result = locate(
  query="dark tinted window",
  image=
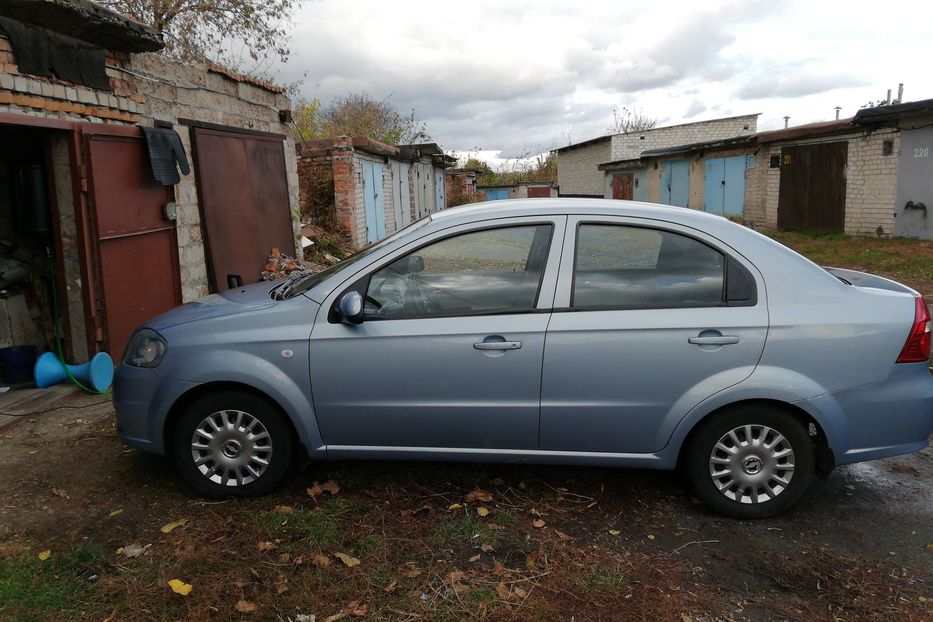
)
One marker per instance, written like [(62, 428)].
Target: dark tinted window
[(490, 271), (619, 266)]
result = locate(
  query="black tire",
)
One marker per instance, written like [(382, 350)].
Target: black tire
[(773, 497), (259, 416)]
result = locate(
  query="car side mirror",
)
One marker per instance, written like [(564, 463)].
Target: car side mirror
[(412, 264), (351, 307)]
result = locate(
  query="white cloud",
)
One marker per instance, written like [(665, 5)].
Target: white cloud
[(514, 77)]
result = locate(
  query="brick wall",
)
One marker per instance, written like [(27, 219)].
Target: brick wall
[(871, 183), (577, 171), (145, 87), (630, 146)]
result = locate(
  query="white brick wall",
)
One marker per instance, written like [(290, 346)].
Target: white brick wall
[(577, 171), (630, 146), (871, 183)]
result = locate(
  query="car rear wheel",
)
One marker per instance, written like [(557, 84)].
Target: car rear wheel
[(752, 462), (232, 443)]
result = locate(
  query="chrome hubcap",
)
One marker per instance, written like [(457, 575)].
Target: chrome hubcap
[(231, 448), (752, 464)]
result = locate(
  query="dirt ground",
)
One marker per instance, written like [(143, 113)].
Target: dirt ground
[(557, 543), (92, 530)]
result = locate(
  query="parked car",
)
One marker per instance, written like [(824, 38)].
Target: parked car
[(584, 332)]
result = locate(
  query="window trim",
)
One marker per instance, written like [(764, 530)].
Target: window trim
[(727, 257), (361, 284)]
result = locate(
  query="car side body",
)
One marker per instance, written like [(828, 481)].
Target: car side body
[(602, 385)]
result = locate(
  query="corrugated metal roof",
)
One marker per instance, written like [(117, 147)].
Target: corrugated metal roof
[(893, 112), (823, 128)]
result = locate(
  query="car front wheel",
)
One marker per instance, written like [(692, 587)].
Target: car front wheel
[(752, 462), (232, 443)]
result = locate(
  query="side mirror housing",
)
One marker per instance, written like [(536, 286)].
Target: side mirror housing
[(351, 307)]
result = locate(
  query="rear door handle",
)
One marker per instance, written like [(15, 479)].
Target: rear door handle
[(497, 345), (720, 340)]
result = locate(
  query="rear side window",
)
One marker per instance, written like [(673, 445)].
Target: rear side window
[(619, 266)]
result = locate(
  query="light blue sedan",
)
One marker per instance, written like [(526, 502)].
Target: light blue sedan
[(555, 331)]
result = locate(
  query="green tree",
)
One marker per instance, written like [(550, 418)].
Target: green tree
[(210, 29), (358, 114)]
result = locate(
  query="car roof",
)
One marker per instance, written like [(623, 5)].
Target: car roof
[(554, 206)]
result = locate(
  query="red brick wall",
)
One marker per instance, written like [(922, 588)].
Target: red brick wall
[(327, 193)]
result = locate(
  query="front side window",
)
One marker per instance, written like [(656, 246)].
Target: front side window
[(620, 266), (481, 272)]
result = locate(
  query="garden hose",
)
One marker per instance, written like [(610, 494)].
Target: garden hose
[(57, 329)]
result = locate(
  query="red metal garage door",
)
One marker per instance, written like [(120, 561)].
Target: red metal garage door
[(137, 247), (243, 194), (539, 192)]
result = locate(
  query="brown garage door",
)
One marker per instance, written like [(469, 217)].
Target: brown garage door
[(137, 246), (539, 192), (813, 187), (243, 195)]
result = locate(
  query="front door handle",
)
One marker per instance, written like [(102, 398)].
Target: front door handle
[(497, 345), (714, 340)]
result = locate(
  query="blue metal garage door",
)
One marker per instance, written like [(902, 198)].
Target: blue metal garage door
[(374, 201), (724, 193), (675, 182)]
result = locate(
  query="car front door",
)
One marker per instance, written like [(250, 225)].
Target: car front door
[(449, 351), (654, 319)]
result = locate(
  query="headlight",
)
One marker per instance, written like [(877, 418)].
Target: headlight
[(145, 349)]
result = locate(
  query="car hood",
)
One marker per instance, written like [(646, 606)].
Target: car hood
[(239, 300)]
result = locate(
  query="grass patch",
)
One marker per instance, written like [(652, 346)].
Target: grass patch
[(607, 580), (464, 529), (902, 259), (31, 589)]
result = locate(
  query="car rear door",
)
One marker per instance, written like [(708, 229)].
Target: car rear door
[(449, 353), (649, 320)]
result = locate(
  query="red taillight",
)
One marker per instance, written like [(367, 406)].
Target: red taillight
[(917, 348)]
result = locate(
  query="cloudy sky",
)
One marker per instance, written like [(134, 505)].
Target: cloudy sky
[(506, 78)]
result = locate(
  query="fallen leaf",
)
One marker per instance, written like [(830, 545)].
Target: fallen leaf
[(58, 492), (115, 513), (614, 532), (503, 591), (482, 511), (478, 494), (497, 481), (650, 537), (496, 526), (475, 558), (454, 577), (454, 506), (390, 587), (168, 527), (348, 561), (320, 561), (340, 615), (301, 559), (356, 609), (562, 535), (284, 509), (180, 587), (930, 547), (44, 555), (485, 547), (330, 486), (285, 557), (133, 550), (281, 587), (244, 606), (519, 592), (412, 570), (538, 524), (532, 560), (266, 546)]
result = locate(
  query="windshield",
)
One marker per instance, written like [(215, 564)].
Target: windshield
[(300, 282)]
